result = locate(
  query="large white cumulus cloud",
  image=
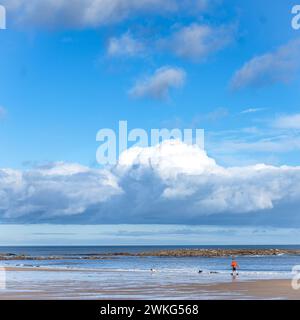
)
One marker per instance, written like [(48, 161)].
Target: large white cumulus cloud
[(168, 183), (56, 190)]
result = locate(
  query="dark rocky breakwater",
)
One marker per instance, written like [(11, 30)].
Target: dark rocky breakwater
[(159, 253), (220, 252)]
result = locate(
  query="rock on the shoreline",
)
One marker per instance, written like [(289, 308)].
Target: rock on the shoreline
[(162, 253), (218, 252)]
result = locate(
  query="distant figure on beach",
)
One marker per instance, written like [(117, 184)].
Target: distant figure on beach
[(234, 266)]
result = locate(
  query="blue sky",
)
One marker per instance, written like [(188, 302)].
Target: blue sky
[(229, 67)]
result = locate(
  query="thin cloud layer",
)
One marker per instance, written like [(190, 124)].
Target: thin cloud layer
[(280, 66), (168, 183), (288, 122), (159, 84)]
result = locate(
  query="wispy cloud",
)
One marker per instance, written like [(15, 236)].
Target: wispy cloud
[(287, 121), (30, 234), (252, 110), (158, 85), (125, 45), (193, 42), (279, 66), (197, 41), (249, 145)]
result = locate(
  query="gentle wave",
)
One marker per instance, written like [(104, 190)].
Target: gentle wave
[(164, 270)]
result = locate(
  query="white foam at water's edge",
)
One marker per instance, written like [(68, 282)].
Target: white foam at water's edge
[(175, 272)]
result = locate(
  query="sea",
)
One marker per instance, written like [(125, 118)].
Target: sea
[(109, 277)]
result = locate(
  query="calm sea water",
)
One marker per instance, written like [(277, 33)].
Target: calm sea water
[(251, 266)]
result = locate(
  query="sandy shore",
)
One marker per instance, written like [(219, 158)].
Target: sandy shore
[(70, 289), (263, 289)]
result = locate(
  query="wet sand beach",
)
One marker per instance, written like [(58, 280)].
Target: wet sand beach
[(65, 286)]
